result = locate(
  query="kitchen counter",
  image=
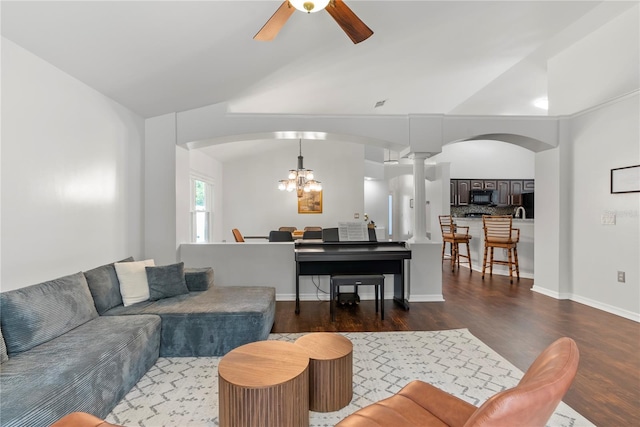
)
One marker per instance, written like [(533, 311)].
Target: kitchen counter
[(476, 246)]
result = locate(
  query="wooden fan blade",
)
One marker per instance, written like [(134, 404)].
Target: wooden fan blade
[(348, 21), (273, 26)]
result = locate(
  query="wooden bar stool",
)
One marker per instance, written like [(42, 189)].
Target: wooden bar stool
[(498, 233), (451, 233)]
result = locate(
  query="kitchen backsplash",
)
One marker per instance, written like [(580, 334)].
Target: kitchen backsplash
[(462, 211)]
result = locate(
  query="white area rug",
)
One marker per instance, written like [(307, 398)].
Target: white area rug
[(183, 391)]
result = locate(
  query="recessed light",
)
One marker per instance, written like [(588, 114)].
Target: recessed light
[(542, 103)]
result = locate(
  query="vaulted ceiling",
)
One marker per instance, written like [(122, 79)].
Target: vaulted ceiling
[(450, 57)]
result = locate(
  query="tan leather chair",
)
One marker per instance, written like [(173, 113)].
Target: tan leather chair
[(81, 419), (237, 235), (313, 229), (289, 229), (531, 403), (454, 235), (498, 233)]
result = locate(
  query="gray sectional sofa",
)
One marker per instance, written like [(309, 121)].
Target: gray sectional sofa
[(70, 345)]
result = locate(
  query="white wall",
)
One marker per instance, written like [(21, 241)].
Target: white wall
[(183, 195), (600, 251), (71, 176), (254, 205), (160, 195), (601, 65), (576, 256), (487, 160)]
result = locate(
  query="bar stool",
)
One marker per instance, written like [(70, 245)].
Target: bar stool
[(451, 234), (376, 280), (498, 233)]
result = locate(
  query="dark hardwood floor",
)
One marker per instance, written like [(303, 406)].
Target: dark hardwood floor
[(518, 324)]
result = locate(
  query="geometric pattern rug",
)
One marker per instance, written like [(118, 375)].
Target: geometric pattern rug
[(183, 391)]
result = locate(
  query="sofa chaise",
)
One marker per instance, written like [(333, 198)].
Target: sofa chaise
[(70, 345)]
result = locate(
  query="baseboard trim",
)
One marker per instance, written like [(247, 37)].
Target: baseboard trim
[(590, 302), (502, 272), (426, 298)]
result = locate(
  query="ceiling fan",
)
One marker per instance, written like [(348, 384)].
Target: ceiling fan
[(346, 19)]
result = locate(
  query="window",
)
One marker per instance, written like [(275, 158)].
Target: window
[(201, 210), (390, 215)]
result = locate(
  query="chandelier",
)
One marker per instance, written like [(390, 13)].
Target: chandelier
[(300, 179)]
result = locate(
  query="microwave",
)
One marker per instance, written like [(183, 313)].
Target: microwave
[(483, 197)]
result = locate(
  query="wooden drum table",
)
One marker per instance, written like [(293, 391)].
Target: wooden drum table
[(265, 383), (330, 370)]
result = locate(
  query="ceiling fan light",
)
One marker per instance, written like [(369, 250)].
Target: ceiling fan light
[(309, 6)]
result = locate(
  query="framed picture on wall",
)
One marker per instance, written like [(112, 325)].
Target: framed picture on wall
[(310, 203), (625, 180)]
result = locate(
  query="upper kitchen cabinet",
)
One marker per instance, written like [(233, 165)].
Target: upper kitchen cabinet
[(504, 192), (509, 190), (460, 191), (483, 184)]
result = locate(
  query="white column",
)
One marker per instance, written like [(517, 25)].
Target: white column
[(419, 198)]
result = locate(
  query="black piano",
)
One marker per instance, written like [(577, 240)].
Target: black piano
[(318, 258)]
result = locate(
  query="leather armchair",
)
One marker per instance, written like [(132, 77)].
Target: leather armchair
[(531, 403), (81, 419)]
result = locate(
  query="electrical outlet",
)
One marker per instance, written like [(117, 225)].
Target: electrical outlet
[(621, 276), (608, 219), (356, 215)]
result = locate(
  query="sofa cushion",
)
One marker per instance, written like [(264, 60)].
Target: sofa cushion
[(210, 323), (3, 349), (132, 276), (166, 281), (88, 369), (198, 279), (104, 286), (38, 313)]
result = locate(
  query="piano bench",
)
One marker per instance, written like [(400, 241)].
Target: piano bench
[(356, 280)]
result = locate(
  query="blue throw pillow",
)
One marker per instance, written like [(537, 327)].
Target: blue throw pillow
[(166, 281)]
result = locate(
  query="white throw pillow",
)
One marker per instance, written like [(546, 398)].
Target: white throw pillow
[(133, 280)]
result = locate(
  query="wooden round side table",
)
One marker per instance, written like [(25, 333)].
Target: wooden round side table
[(330, 370), (265, 383)]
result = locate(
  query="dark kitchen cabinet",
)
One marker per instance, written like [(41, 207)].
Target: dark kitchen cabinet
[(489, 185), (464, 186), (509, 190), (459, 191), (504, 191), (477, 184), (516, 192)]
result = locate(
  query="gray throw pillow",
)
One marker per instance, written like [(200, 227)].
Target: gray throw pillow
[(166, 281), (3, 349), (104, 286)]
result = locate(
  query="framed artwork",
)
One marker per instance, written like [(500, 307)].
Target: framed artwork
[(310, 203), (625, 180)]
